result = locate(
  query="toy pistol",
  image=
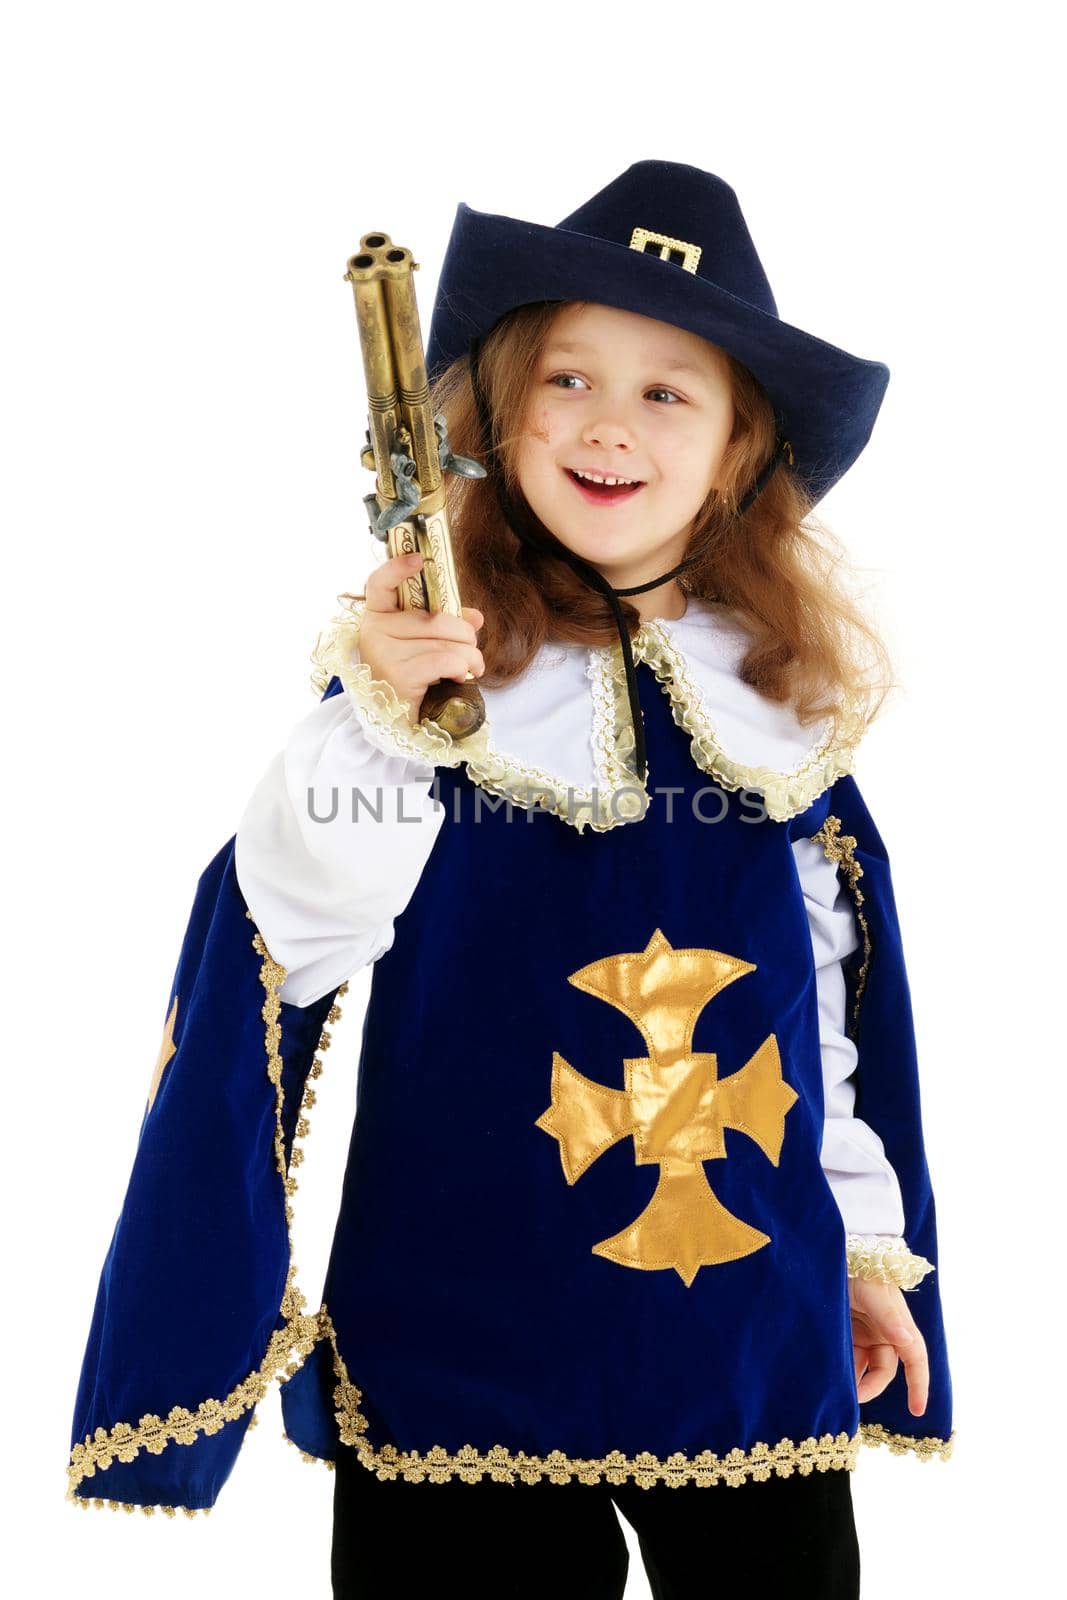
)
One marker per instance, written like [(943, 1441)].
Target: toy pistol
[(407, 448)]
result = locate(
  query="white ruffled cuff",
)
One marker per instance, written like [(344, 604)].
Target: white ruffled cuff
[(380, 710), (885, 1258)]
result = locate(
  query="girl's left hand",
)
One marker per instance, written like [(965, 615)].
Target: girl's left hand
[(883, 1330)]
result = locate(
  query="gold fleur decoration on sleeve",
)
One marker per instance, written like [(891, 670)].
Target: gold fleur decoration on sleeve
[(167, 1049)]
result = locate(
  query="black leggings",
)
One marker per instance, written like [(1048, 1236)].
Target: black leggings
[(393, 1539)]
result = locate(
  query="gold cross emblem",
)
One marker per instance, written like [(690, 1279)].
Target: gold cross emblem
[(674, 1106)]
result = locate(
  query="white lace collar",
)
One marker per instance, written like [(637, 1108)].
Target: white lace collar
[(560, 736)]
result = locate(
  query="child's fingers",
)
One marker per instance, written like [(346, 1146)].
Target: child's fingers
[(431, 626), (380, 592), (451, 663), (384, 580), (881, 1363), (883, 1332), (899, 1327), (912, 1350)]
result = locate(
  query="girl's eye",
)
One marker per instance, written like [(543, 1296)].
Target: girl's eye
[(563, 375)]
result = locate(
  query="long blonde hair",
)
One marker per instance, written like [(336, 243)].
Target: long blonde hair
[(775, 569)]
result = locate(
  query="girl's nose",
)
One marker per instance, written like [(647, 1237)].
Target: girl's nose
[(608, 434)]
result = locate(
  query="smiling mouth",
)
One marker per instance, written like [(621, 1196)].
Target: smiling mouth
[(602, 493)]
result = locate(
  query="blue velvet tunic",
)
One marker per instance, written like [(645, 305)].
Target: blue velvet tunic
[(584, 1229), (584, 1209)]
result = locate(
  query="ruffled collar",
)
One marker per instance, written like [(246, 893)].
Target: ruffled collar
[(560, 738)]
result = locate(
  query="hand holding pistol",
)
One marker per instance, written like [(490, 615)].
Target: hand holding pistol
[(411, 648)]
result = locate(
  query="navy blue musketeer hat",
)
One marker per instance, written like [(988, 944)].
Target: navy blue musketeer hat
[(666, 240)]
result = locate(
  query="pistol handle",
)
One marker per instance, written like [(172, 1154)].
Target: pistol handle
[(457, 708)]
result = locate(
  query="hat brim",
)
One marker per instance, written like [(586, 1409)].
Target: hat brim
[(826, 400)]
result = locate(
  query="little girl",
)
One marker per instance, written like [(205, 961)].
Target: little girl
[(637, 1184)]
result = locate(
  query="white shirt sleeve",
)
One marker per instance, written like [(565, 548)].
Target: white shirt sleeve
[(853, 1157), (331, 847)]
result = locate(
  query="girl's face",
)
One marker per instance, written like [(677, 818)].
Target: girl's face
[(624, 396)]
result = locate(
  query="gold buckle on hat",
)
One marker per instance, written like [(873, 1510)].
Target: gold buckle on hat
[(666, 248)]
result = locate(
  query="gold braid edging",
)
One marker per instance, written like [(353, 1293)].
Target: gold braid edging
[(469, 1464), (305, 1455), (883, 1260), (840, 848), (149, 1511), (297, 1338), (901, 1444)]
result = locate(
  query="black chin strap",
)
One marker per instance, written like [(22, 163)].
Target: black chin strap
[(529, 532)]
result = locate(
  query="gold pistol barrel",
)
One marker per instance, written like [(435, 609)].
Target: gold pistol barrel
[(372, 317), (405, 449), (411, 378)]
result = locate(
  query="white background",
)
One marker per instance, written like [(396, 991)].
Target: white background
[(182, 411)]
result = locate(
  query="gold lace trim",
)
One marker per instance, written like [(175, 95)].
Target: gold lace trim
[(786, 794), (384, 709), (469, 1464), (901, 1443), (840, 848), (305, 1455), (149, 1511), (297, 1338), (617, 796), (614, 746), (885, 1260)]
